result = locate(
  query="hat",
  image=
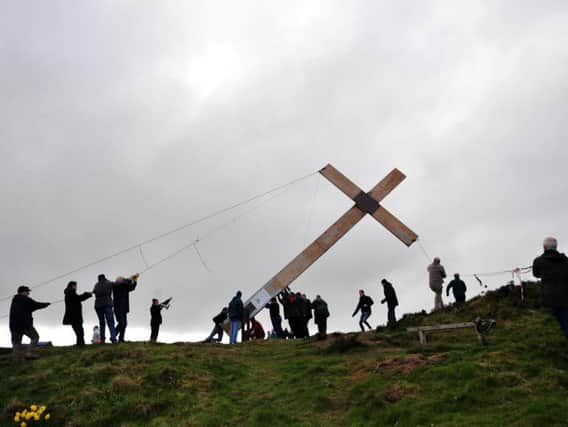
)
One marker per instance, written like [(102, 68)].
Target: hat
[(23, 289)]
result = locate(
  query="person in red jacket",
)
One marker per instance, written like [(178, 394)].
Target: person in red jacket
[(256, 330)]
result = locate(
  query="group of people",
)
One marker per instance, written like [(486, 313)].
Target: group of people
[(111, 302)]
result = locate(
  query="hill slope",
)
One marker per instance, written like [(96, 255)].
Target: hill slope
[(376, 378)]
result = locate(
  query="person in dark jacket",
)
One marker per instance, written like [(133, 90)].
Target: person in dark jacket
[(391, 300), (103, 306), (156, 317), (552, 268), (120, 294), (74, 311), (458, 288), (236, 314), (321, 313), (218, 328), (256, 330), (296, 315), (275, 317), (22, 322), (307, 315), (365, 303)]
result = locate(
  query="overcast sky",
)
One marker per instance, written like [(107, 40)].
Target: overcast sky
[(120, 120)]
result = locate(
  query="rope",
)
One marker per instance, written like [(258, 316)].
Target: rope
[(421, 246), (167, 233)]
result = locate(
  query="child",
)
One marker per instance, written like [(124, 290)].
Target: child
[(96, 336)]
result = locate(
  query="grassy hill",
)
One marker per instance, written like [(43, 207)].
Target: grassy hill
[(376, 378)]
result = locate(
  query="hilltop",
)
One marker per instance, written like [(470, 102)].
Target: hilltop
[(374, 378)]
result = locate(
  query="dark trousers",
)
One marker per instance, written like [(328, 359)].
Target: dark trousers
[(391, 317), (561, 315), (105, 314), (277, 325), (155, 330), (460, 299), (297, 327), (322, 328), (217, 330), (17, 336), (79, 333), (363, 321), (120, 324)]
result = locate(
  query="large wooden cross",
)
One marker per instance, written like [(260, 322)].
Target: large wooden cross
[(365, 203)]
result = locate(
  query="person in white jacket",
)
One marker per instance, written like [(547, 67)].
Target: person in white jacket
[(437, 274)]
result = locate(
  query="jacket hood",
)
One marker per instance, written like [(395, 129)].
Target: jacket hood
[(555, 256)]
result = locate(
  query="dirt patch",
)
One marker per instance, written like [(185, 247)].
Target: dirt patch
[(393, 394), (407, 364)]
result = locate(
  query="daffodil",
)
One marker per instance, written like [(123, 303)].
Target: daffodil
[(17, 418), (23, 425), (33, 408), (47, 416)]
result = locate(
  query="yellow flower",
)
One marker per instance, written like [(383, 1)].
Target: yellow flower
[(23, 425), (47, 416), (17, 418), (42, 408), (36, 418), (33, 407)]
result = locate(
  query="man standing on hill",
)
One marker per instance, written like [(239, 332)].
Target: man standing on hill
[(22, 322), (321, 313), (156, 317), (365, 303), (437, 274), (122, 302), (458, 287), (103, 306), (275, 317), (552, 268), (236, 314), (391, 300)]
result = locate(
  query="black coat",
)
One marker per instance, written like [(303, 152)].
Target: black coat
[(552, 268), (220, 318), (390, 295), (458, 288), (73, 308), (120, 295), (156, 314), (236, 309), (21, 312), (365, 303), (274, 308), (321, 312)]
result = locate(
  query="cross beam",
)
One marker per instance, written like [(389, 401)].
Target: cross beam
[(365, 203)]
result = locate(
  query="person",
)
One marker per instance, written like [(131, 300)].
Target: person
[(295, 315), (365, 303), (458, 288), (96, 339), (120, 294), (437, 274), (22, 322), (236, 314), (156, 317), (256, 331), (74, 311), (218, 328), (552, 269), (307, 315), (391, 300), (103, 307), (275, 318), (321, 313)]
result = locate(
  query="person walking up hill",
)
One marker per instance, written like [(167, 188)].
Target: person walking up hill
[(365, 303)]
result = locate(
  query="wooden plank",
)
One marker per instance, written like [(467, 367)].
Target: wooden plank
[(386, 185), (307, 257), (441, 327), (395, 226), (347, 186)]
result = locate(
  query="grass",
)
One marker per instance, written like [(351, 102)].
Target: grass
[(375, 378)]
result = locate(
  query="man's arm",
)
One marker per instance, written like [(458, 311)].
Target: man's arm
[(357, 309), (84, 296), (450, 285), (536, 268), (38, 305)]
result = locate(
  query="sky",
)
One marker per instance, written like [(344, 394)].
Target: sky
[(120, 120)]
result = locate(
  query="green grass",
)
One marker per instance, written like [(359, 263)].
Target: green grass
[(520, 378)]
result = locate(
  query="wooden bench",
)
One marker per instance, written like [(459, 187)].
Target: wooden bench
[(480, 331)]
